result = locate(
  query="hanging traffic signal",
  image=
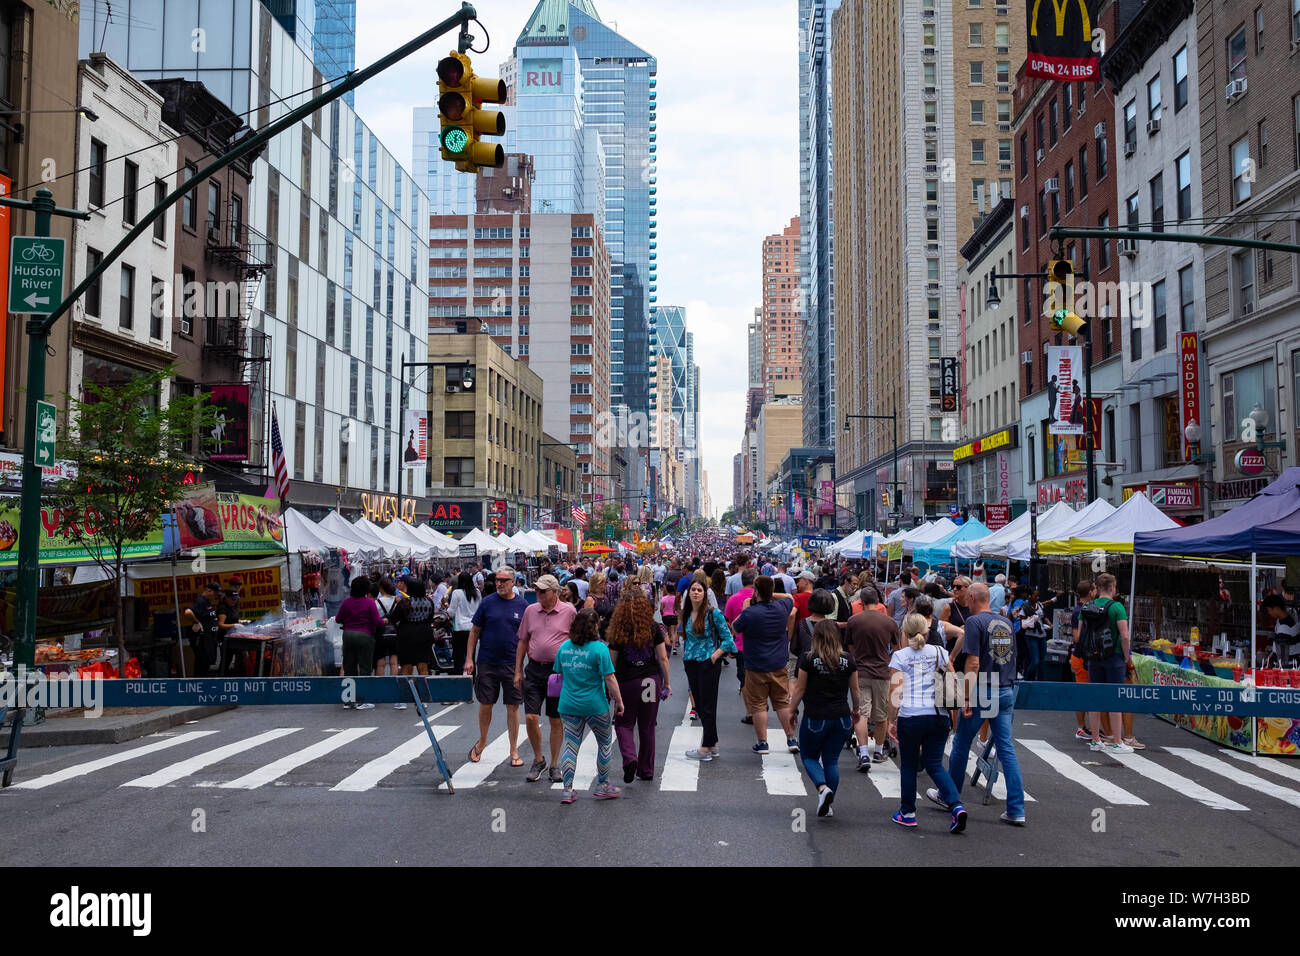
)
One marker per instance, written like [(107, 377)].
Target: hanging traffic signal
[(460, 97), (1060, 286), (1064, 320)]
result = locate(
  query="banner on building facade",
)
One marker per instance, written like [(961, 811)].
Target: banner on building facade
[(229, 436), (198, 517), (1189, 386), (948, 384), (1061, 43), (259, 596), (415, 431), (1065, 390)]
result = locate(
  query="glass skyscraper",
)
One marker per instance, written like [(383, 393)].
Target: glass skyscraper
[(334, 41)]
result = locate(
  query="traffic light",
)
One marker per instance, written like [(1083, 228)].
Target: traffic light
[(884, 498), (1064, 320), (1060, 279), (461, 95)]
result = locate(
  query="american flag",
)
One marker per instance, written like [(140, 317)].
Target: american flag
[(277, 457), (579, 515)]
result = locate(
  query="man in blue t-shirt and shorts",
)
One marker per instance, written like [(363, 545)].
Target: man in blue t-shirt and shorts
[(494, 632), (990, 646)]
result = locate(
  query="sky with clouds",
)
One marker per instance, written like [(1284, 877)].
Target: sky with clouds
[(728, 157)]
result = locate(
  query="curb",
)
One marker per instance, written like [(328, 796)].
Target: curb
[(66, 732)]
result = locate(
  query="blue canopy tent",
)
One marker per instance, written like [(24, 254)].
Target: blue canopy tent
[(940, 552)]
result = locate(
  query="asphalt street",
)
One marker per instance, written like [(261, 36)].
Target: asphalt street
[(290, 786)]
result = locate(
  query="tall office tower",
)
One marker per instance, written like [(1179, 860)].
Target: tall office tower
[(817, 219), (612, 92), (341, 224), (782, 315), (335, 39), (755, 332)]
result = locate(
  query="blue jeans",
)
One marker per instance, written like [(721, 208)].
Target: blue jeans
[(968, 727), (923, 737), (1036, 645), (820, 743)]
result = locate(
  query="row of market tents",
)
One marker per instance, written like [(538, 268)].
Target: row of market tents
[(400, 539), (1062, 530)]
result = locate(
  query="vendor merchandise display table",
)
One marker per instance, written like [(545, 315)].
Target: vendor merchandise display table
[(1278, 736), (298, 650)]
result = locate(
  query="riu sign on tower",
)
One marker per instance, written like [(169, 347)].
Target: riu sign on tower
[(1062, 45)]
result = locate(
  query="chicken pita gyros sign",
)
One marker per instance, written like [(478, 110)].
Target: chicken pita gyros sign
[(226, 524)]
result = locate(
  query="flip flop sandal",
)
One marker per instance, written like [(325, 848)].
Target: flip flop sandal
[(475, 755), (516, 761)]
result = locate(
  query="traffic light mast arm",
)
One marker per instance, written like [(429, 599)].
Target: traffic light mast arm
[(1200, 239)]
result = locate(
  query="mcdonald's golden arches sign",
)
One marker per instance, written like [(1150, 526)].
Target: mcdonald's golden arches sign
[(1061, 39)]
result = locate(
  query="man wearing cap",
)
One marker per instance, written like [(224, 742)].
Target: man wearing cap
[(496, 625), (545, 626), (204, 628)]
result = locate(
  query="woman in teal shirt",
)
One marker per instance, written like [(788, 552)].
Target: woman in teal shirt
[(584, 664), (706, 637)]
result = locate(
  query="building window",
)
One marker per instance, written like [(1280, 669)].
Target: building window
[(1157, 185), (1186, 300), (977, 185), (159, 224), (1024, 155), (927, 34), (1155, 108), (1259, 30), (1067, 104), (1101, 156), (1135, 436), (977, 111), (1159, 321), (1056, 209), (977, 151), (458, 425), (1241, 171), (1004, 111), (1042, 213), (931, 113), (928, 74), (91, 302), (932, 309), (1131, 207), (1244, 268), (932, 270), (1237, 55), (189, 202), (976, 34), (1069, 186), (932, 230), (932, 190), (1004, 71), (1004, 154), (130, 184), (458, 472), (214, 208), (1052, 122), (1262, 136), (1103, 257), (1180, 79), (157, 306), (126, 304), (1130, 124), (1040, 131), (1242, 390), (977, 72), (237, 224), (98, 162)]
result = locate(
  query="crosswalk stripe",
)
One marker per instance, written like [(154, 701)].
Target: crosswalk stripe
[(887, 779), (681, 773), (1281, 767), (1177, 782), (470, 775), (183, 768), (1225, 769), (782, 770), (376, 770), (90, 766), (277, 769), (977, 750), (584, 773), (1082, 775)]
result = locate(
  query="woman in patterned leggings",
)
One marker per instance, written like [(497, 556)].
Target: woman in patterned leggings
[(584, 666)]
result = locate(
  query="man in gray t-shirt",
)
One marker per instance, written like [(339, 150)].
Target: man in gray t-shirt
[(897, 604)]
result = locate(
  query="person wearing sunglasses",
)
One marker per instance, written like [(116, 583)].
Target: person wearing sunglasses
[(494, 634)]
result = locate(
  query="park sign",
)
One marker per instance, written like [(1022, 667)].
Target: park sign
[(35, 274)]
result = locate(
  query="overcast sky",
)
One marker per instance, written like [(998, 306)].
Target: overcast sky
[(728, 157)]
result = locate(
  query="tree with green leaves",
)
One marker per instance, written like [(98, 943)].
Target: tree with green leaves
[(610, 514), (132, 446)]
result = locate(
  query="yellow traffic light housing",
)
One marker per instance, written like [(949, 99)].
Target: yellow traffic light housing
[(1064, 320), (460, 98), (1060, 286)]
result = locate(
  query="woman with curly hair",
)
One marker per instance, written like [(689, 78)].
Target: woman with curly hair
[(636, 644)]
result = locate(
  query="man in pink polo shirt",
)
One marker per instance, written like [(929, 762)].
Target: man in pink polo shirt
[(736, 604), (544, 627)]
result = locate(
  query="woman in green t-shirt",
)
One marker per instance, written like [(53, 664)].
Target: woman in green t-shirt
[(584, 665)]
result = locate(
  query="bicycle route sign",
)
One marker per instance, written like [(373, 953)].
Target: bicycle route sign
[(35, 274)]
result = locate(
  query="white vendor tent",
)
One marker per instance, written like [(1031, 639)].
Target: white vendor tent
[(336, 529)]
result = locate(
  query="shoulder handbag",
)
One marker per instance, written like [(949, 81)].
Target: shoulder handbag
[(947, 688)]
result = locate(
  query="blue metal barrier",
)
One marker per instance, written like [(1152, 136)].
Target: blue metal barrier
[(1159, 699), (280, 691)]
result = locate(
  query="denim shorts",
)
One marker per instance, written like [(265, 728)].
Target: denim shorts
[(1112, 670)]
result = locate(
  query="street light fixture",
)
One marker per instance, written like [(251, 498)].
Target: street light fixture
[(992, 300)]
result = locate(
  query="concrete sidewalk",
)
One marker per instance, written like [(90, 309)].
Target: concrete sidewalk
[(59, 730)]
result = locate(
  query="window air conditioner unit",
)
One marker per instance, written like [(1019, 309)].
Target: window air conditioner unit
[(1052, 185), (1004, 167), (1130, 147), (185, 326), (928, 52), (1003, 50), (1000, 11), (1004, 127), (1027, 357), (1099, 130), (1128, 247), (932, 208), (1004, 87), (1040, 153), (1024, 212), (1247, 308), (454, 388), (1235, 89), (1153, 126)]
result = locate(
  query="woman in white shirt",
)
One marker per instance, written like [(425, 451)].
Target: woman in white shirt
[(463, 603), (918, 725)]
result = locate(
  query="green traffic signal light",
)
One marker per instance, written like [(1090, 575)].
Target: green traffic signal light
[(455, 140)]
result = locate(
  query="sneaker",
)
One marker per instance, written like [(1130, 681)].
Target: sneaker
[(864, 763), (1096, 745), (606, 791), (1014, 821), (399, 706), (1082, 735), (1118, 749), (905, 821), (348, 706), (824, 800), (1134, 743), (694, 715), (878, 756), (933, 796), (557, 775), (792, 745), (760, 747), (958, 819), (629, 772), (365, 706), (567, 797), (830, 812), (747, 719), (700, 755), (535, 771)]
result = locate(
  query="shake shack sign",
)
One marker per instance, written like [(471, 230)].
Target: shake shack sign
[(449, 516)]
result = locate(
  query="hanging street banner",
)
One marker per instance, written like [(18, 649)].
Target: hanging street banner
[(948, 383), (230, 434), (1061, 40), (259, 596), (58, 548), (1189, 386), (69, 609), (416, 432), (1065, 390)]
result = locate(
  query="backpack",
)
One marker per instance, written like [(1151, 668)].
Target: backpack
[(387, 630), (1096, 642)]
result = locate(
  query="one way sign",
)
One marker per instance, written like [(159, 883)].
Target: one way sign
[(35, 274)]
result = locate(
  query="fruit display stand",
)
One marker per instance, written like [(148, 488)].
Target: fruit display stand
[(1278, 736)]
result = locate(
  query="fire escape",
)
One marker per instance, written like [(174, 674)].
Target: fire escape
[(244, 254)]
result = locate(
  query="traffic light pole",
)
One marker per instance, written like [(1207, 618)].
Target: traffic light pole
[(540, 446), (38, 328), (892, 417)]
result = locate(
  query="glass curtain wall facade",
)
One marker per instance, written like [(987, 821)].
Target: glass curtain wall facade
[(334, 41)]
